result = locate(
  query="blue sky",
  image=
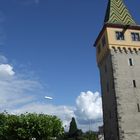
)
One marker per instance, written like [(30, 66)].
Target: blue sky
[(47, 44)]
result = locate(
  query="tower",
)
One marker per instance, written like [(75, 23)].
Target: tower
[(118, 58)]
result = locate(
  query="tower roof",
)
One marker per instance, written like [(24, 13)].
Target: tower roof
[(117, 13)]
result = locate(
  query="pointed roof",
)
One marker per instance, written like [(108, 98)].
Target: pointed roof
[(117, 13)]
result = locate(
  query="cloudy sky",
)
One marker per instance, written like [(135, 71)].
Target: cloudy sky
[(46, 50)]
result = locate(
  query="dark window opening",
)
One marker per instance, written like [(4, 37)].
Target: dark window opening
[(134, 83), (138, 107), (119, 35), (130, 62), (135, 36)]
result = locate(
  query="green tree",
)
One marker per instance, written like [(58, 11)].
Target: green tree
[(73, 128), (90, 135), (74, 133), (26, 126)]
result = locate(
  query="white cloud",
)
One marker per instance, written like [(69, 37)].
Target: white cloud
[(38, 107), (89, 105), (15, 90), (89, 109), (6, 70), (65, 113), (93, 126)]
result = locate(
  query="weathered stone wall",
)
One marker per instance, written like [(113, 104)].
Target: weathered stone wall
[(127, 95), (108, 99), (120, 97)]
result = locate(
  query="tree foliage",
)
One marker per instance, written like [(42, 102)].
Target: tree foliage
[(27, 126), (73, 127), (76, 134), (90, 135)]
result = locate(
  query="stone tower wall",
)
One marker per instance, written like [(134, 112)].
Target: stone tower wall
[(126, 91), (108, 99), (119, 94)]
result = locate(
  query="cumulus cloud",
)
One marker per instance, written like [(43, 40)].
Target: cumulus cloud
[(89, 105), (6, 70), (89, 109)]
